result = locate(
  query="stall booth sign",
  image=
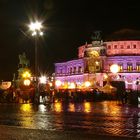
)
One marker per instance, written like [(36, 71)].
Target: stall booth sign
[(5, 85)]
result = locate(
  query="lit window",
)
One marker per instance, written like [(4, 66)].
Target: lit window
[(121, 67), (138, 66), (129, 67)]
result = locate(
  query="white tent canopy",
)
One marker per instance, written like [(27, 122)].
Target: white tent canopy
[(108, 88)]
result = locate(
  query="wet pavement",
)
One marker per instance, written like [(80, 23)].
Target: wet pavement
[(108, 118)]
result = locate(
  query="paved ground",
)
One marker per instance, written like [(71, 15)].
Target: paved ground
[(98, 120), (15, 133)]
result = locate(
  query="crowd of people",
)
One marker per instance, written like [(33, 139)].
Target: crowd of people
[(125, 97)]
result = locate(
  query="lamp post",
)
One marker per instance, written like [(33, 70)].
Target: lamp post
[(114, 68), (36, 31)]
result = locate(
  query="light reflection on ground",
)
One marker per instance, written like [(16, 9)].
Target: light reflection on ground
[(108, 117)]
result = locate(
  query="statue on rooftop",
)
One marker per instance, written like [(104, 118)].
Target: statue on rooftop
[(23, 61), (96, 36)]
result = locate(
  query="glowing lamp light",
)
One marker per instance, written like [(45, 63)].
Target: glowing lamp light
[(97, 63), (114, 68), (26, 74), (105, 76), (35, 26), (58, 83), (57, 107), (43, 79), (41, 33), (72, 86), (27, 82), (87, 84), (26, 108), (34, 33), (50, 84), (87, 107)]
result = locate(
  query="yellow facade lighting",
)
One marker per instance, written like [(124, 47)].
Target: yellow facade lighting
[(72, 86), (87, 84)]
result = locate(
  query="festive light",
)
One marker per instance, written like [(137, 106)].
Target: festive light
[(50, 84), (105, 76), (27, 82), (43, 79), (35, 26), (26, 74), (72, 86), (87, 84), (114, 68), (58, 83)]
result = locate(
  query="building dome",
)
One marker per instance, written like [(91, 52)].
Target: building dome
[(124, 34)]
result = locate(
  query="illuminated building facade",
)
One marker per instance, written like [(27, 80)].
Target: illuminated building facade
[(94, 61)]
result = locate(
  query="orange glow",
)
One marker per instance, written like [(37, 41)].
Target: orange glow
[(50, 84), (25, 107), (65, 85), (111, 108), (71, 107), (27, 82), (72, 86), (97, 63), (105, 76), (26, 74), (87, 107), (58, 107), (87, 84), (5, 85)]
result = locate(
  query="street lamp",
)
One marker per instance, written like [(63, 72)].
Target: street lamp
[(36, 31), (114, 68), (43, 79)]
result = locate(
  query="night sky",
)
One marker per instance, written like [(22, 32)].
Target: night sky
[(68, 24)]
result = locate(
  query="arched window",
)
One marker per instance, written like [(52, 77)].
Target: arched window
[(138, 66), (129, 67), (71, 70), (79, 69), (74, 70), (121, 67)]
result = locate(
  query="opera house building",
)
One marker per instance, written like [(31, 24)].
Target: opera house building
[(94, 61)]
